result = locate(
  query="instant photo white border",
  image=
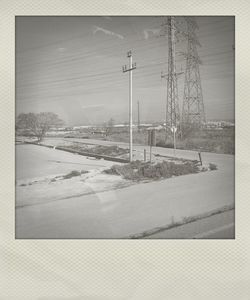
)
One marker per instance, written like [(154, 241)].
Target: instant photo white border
[(124, 269)]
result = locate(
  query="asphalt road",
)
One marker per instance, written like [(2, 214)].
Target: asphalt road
[(223, 160), (219, 226)]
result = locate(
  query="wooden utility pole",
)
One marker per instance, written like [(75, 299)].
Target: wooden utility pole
[(130, 69)]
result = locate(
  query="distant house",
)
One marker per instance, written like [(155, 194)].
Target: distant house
[(101, 132), (225, 124), (159, 127), (213, 125)]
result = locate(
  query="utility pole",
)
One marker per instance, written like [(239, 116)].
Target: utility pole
[(132, 66), (138, 124), (193, 112), (172, 107)]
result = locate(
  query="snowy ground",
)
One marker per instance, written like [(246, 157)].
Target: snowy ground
[(117, 213), (40, 170), (44, 190), (36, 161)]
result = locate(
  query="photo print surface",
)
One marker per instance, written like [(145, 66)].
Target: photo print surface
[(125, 127)]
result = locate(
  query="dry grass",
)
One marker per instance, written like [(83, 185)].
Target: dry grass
[(138, 137), (99, 150), (218, 141)]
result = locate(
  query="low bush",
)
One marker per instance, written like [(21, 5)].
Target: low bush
[(84, 172), (99, 150), (108, 150), (139, 170), (212, 167), (72, 174)]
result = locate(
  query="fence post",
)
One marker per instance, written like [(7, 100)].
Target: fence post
[(200, 157)]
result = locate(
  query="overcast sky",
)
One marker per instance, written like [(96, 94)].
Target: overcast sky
[(73, 66)]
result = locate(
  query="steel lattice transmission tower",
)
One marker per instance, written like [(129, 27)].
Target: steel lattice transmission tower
[(172, 107), (193, 113)]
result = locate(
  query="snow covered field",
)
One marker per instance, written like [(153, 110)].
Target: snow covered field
[(95, 207), (35, 161), (40, 170)]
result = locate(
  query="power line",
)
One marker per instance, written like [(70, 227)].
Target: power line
[(96, 75)]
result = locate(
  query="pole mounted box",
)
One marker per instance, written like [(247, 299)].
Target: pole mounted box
[(151, 137)]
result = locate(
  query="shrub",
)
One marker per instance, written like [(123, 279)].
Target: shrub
[(99, 150), (212, 166), (72, 174), (84, 172), (139, 170)]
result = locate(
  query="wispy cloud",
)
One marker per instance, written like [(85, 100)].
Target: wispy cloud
[(61, 49), (96, 106), (153, 31), (108, 32)]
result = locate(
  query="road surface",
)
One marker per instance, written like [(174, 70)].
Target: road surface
[(225, 161), (219, 226)]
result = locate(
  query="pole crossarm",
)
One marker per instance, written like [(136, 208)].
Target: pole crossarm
[(124, 68), (175, 74)]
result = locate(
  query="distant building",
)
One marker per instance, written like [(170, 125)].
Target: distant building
[(159, 127), (218, 125)]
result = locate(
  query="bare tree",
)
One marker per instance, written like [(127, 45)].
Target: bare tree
[(38, 124)]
